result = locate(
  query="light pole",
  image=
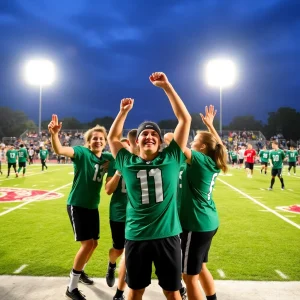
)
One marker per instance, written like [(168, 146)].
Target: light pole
[(220, 73), (41, 73)]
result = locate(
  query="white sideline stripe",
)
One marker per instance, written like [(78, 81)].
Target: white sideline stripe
[(290, 190), (20, 269), (290, 216), (281, 274), (42, 172), (262, 205), (221, 273), (34, 199)]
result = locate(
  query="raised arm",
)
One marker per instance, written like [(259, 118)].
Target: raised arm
[(54, 127), (182, 130), (116, 128), (112, 183)]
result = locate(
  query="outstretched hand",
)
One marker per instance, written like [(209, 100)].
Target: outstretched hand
[(126, 104), (54, 127), (210, 113), (159, 79)]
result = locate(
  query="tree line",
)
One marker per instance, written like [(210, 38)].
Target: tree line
[(285, 120)]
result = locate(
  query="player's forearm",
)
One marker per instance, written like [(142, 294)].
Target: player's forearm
[(112, 184), (57, 146), (116, 129)]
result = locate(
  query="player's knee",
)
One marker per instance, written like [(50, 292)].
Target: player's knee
[(171, 295), (189, 279), (87, 245)]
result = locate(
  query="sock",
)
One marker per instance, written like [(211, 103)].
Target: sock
[(282, 183), (212, 297), (289, 169), (74, 278), (272, 182), (119, 293), (265, 172), (295, 170), (19, 170), (24, 171), (113, 266)]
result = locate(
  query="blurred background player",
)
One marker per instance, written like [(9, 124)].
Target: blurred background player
[(264, 158), (241, 152), (22, 158), (234, 157), (31, 155), (292, 156), (276, 158), (249, 155), (44, 156), (11, 156), (131, 137)]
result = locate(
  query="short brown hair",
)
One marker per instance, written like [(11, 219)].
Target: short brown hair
[(132, 134), (88, 134)]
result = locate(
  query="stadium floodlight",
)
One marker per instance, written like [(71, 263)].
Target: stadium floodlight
[(220, 73), (40, 72)]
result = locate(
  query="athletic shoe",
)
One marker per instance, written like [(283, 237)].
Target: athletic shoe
[(282, 188), (183, 293), (270, 189), (84, 278), (119, 298), (75, 294), (289, 173), (294, 173), (110, 276)]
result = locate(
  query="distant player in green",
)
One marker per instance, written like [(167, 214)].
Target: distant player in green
[(22, 158), (292, 156), (44, 156), (115, 185), (234, 157), (264, 159), (152, 223), (198, 213), (11, 157), (276, 157), (90, 164)]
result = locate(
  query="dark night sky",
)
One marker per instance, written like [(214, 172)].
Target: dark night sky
[(105, 51)]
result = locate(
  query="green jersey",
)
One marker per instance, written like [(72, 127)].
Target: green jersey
[(118, 201), (152, 191), (264, 156), (88, 177), (198, 210), (292, 155), (22, 153), (277, 157), (43, 153), (12, 156), (233, 155)]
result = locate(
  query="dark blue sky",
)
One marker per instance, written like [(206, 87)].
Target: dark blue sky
[(105, 51)]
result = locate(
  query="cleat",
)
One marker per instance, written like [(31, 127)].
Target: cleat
[(183, 293), (289, 173), (75, 294), (84, 278), (270, 189), (110, 276), (119, 298), (282, 188)]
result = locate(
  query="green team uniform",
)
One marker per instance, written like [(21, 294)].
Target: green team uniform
[(292, 155), (23, 154), (277, 157), (151, 190), (88, 177), (233, 155), (264, 156), (198, 212), (43, 154), (12, 156), (118, 201)]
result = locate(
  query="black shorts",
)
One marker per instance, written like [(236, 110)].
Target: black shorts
[(117, 234), (22, 164), (249, 165), (195, 247), (264, 163), (9, 165), (241, 160), (234, 161), (30, 157), (277, 172), (85, 222), (164, 253), (292, 164)]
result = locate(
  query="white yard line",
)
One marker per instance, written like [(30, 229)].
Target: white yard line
[(221, 273), (20, 269), (42, 172), (262, 205), (282, 275), (34, 199)]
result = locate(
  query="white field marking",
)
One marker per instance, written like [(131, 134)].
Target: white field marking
[(262, 189), (20, 269), (32, 174), (221, 273), (290, 190), (262, 205), (35, 199), (264, 210), (290, 216), (282, 275), (23, 208)]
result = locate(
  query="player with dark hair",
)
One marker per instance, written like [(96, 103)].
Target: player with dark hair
[(292, 156), (249, 155), (11, 156), (22, 158), (276, 158), (198, 213), (152, 223), (131, 136), (264, 159), (44, 154), (90, 164)]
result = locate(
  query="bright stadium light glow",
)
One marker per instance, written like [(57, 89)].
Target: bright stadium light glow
[(40, 72), (221, 72)]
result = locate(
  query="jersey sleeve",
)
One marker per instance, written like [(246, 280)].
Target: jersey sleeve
[(122, 158), (175, 151), (111, 169), (283, 155), (78, 153)]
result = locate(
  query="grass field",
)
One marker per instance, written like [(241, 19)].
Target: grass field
[(256, 240)]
